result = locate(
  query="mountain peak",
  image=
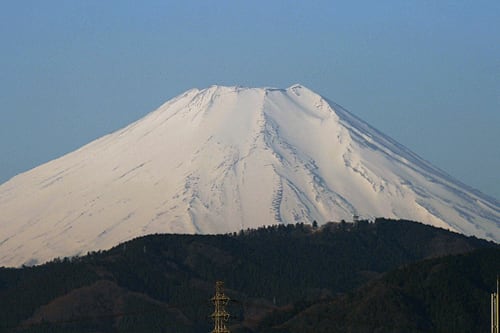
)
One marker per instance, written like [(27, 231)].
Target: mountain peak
[(222, 159), (237, 88)]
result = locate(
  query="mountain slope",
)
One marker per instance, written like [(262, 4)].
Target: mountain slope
[(223, 159), (449, 294), (164, 282)]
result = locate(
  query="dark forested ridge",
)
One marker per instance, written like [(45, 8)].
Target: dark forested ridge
[(448, 294), (283, 278)]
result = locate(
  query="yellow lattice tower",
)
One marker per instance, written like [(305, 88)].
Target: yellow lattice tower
[(220, 315)]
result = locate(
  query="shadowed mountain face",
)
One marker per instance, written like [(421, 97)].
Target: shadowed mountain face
[(282, 279), (448, 294), (224, 159)]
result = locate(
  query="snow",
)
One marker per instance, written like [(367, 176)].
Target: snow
[(223, 159)]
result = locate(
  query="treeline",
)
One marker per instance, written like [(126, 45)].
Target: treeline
[(162, 283)]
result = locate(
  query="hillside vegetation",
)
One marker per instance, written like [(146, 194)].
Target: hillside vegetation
[(282, 278)]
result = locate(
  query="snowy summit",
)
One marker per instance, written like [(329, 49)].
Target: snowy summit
[(223, 159)]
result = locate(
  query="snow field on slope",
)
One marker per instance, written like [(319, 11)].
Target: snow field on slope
[(223, 159)]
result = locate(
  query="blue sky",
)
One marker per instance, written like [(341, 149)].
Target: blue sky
[(427, 73)]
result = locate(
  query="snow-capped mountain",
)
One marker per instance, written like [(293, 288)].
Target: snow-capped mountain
[(223, 159)]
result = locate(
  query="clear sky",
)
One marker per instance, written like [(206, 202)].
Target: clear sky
[(426, 73)]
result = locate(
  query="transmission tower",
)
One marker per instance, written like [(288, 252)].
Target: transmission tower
[(220, 315), (495, 325)]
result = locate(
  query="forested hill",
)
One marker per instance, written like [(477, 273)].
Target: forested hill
[(163, 283), (448, 294)]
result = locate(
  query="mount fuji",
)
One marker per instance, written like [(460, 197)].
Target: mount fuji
[(224, 159)]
